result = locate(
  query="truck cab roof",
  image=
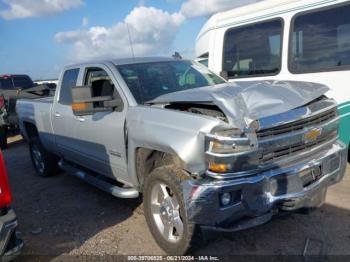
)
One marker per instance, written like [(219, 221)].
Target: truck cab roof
[(125, 61), (17, 81)]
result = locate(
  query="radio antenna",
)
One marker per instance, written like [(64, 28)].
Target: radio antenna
[(130, 41)]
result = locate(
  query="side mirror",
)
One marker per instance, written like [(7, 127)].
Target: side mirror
[(83, 103)]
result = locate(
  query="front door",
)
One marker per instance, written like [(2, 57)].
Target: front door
[(102, 133)]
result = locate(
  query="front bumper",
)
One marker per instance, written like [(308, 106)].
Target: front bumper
[(255, 199), (10, 245)]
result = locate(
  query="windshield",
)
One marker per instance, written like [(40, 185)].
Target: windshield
[(147, 81)]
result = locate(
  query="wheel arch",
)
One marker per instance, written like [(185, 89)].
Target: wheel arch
[(30, 130), (147, 159)]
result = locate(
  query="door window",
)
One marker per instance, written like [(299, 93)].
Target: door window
[(22, 82), (101, 85), (69, 80)]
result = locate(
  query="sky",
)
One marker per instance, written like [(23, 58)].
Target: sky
[(39, 37)]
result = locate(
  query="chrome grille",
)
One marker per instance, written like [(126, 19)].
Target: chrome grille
[(298, 125), (293, 149)]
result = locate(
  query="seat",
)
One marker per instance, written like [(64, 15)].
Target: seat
[(102, 88)]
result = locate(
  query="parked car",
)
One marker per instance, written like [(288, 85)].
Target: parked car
[(284, 40), (205, 154), (13, 87), (10, 244)]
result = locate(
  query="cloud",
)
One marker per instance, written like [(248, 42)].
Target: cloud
[(152, 32), (195, 8), (18, 9)]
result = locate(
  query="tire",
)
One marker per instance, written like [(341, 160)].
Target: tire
[(168, 178), (45, 163), (3, 137)]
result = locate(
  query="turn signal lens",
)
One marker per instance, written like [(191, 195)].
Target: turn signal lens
[(219, 168), (79, 106)]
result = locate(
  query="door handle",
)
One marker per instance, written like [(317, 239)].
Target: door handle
[(57, 114), (80, 119)]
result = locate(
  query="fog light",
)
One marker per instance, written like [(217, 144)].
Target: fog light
[(225, 199)]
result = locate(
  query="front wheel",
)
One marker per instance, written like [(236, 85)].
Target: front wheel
[(165, 211)]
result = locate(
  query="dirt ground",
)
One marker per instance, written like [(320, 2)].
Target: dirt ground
[(62, 215)]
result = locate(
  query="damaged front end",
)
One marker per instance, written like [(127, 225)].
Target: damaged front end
[(279, 150), (286, 162)]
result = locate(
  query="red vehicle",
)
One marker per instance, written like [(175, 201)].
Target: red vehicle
[(10, 245)]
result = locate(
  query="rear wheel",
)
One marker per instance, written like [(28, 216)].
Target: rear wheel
[(165, 211), (3, 137), (45, 163)]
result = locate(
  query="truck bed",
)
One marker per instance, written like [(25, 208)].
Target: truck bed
[(38, 112), (11, 97)]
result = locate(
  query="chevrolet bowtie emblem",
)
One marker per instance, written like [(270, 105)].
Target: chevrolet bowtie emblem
[(312, 135)]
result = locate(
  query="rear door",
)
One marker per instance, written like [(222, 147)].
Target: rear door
[(65, 124)]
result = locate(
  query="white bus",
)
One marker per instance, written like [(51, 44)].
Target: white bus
[(301, 40)]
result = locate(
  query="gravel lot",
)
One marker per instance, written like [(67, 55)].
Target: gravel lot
[(61, 216)]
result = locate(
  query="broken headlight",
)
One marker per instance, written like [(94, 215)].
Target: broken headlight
[(224, 147), (228, 142)]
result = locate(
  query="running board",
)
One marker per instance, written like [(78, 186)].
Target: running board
[(98, 182)]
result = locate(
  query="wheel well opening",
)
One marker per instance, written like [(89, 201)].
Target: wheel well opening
[(147, 160), (31, 130)]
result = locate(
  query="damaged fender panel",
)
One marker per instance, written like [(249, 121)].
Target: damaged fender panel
[(244, 102), (169, 131)]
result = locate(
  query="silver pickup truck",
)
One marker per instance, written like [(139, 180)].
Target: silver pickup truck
[(205, 154)]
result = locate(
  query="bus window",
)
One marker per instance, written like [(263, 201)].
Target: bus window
[(320, 40), (253, 50)]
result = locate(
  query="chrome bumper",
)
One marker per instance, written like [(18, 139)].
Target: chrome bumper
[(257, 198)]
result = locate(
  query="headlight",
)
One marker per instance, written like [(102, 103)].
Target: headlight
[(229, 133), (228, 142), (220, 147), (224, 146)]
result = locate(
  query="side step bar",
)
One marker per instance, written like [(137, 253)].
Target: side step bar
[(98, 182)]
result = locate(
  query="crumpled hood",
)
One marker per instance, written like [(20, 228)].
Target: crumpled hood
[(244, 102)]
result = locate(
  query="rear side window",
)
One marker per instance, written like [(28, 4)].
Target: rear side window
[(69, 80), (253, 50), (320, 40), (22, 82)]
